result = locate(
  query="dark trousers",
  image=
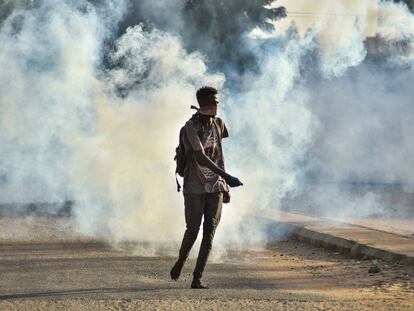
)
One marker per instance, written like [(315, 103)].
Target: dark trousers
[(196, 206)]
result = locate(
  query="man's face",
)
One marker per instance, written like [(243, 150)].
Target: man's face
[(213, 100), (209, 107)]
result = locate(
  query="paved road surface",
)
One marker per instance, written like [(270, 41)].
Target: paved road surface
[(287, 275)]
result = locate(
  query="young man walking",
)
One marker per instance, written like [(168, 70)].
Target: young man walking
[(206, 184)]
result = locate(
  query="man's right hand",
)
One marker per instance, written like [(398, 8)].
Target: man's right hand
[(232, 181)]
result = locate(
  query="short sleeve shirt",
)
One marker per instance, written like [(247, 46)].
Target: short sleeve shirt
[(198, 178)]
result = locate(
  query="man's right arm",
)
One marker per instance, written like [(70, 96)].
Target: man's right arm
[(204, 160)]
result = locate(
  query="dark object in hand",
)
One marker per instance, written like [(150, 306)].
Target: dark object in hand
[(233, 181), (226, 197)]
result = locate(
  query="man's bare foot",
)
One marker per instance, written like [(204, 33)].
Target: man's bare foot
[(197, 283)]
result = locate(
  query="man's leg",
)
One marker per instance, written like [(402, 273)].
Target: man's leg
[(212, 215), (194, 207)]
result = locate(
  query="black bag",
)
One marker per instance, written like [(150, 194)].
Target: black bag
[(180, 155)]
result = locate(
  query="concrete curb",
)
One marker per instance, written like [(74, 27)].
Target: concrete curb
[(345, 246)]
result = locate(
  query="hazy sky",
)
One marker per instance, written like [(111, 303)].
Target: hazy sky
[(332, 17)]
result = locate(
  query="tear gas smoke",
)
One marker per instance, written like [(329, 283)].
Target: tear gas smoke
[(92, 102), (67, 135)]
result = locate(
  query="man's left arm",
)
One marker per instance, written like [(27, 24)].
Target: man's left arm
[(224, 134)]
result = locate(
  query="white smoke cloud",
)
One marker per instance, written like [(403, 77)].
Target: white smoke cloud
[(67, 135), (271, 127), (47, 57), (396, 26), (136, 136), (361, 148), (330, 119), (103, 135)]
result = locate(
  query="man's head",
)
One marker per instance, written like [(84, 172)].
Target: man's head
[(208, 100)]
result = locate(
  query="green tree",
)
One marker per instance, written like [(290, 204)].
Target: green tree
[(218, 28)]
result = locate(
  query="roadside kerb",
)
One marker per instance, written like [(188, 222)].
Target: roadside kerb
[(343, 245)]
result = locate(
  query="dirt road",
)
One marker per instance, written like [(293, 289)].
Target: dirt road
[(287, 275)]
